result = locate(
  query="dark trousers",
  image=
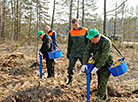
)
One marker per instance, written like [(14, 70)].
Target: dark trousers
[(103, 76), (72, 62), (50, 66)]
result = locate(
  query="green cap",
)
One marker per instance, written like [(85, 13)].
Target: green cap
[(39, 33), (92, 33)]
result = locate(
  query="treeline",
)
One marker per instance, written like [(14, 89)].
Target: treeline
[(21, 19)]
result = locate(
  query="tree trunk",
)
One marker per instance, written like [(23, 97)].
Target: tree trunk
[(37, 29), (104, 25), (40, 27), (77, 9), (12, 34), (70, 17), (0, 17), (83, 13), (30, 24), (123, 23), (3, 20), (115, 21), (19, 20), (15, 22), (37, 14), (53, 14)]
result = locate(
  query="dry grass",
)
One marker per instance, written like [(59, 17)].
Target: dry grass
[(20, 83)]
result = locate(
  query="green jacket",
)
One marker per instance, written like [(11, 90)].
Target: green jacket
[(101, 52), (77, 42)]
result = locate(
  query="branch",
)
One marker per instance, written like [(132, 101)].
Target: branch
[(117, 7)]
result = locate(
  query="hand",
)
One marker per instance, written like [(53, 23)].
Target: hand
[(94, 70), (68, 56), (39, 52), (84, 68)]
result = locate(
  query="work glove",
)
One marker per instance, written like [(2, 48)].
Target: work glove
[(39, 52), (68, 56), (94, 70), (84, 68)]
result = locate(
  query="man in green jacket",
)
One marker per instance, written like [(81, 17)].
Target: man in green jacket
[(77, 42), (99, 48)]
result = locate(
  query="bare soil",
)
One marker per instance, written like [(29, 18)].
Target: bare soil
[(20, 82)]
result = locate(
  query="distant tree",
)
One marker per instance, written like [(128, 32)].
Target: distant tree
[(0, 16), (20, 18), (77, 9), (29, 17), (12, 17), (137, 11), (88, 8), (136, 22), (42, 15), (115, 22), (94, 21), (16, 20), (104, 23), (3, 20), (117, 11), (83, 20), (53, 15), (70, 16)]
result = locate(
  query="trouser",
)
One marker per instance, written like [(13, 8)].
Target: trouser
[(103, 76), (72, 62), (50, 66)]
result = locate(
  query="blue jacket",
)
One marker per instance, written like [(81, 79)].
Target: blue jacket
[(53, 35)]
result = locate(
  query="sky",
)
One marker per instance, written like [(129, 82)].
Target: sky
[(110, 6), (100, 4)]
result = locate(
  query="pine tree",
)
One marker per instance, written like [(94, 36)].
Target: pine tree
[(3, 20)]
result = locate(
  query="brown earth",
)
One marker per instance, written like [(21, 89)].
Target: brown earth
[(20, 82)]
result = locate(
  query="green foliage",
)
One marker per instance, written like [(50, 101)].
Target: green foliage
[(35, 15)]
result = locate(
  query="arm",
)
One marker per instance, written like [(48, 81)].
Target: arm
[(87, 53), (69, 45), (46, 45), (86, 39), (54, 38)]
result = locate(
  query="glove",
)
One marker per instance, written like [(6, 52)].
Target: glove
[(94, 70), (39, 52), (68, 56), (84, 68)]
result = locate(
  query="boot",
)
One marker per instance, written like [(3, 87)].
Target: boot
[(69, 82), (51, 72), (49, 76), (98, 99)]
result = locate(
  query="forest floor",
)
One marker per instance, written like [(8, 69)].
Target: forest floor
[(20, 82)]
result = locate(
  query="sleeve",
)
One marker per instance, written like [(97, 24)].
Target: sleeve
[(54, 38), (87, 53), (46, 45), (102, 58), (86, 39), (69, 44)]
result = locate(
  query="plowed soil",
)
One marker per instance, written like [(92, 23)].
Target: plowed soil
[(20, 81)]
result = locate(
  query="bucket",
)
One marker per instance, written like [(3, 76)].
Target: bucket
[(119, 69), (55, 54)]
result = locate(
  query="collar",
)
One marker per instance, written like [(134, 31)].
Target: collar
[(78, 28), (50, 30), (100, 41), (43, 37)]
